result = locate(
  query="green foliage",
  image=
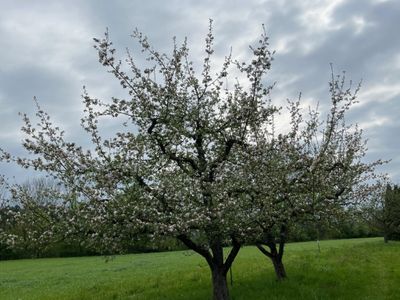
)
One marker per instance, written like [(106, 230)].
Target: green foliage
[(383, 212), (392, 212), (348, 224), (345, 269)]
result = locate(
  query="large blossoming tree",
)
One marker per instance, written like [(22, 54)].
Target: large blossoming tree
[(177, 145), (199, 155)]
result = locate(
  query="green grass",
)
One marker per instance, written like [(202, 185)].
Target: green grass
[(345, 269)]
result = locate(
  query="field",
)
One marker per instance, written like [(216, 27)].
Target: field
[(344, 269)]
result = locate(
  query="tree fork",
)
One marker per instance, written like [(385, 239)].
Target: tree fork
[(219, 268)]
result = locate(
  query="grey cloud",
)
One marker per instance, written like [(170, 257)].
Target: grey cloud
[(53, 59)]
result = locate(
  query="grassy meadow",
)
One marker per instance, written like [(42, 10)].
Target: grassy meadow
[(344, 269)]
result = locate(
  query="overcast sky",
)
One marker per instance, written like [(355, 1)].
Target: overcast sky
[(46, 51)]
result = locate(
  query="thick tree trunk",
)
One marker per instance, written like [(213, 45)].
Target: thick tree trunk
[(280, 271), (220, 286), (215, 259)]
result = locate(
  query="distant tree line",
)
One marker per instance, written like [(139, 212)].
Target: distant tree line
[(24, 219)]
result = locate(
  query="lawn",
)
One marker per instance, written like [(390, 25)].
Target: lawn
[(344, 269)]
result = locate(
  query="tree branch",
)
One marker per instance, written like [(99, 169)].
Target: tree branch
[(263, 250), (232, 254), (198, 249)]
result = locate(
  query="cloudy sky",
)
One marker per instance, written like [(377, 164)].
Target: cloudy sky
[(46, 51)]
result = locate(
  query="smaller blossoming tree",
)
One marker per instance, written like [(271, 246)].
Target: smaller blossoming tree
[(312, 172)]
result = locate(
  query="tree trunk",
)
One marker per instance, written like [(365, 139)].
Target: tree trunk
[(280, 271), (275, 253), (220, 286), (215, 259), (385, 238)]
